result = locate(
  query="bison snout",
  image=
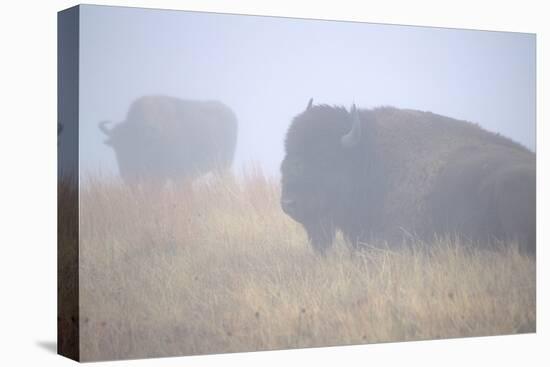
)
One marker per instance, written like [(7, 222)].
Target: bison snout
[(289, 206)]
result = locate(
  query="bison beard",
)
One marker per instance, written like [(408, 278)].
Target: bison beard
[(321, 234), (380, 174)]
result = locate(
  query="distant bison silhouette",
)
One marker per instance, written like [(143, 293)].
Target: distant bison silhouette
[(165, 138), (387, 173)]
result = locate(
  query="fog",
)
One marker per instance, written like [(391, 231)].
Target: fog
[(266, 69)]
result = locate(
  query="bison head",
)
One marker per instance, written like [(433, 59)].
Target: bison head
[(132, 147), (317, 172)]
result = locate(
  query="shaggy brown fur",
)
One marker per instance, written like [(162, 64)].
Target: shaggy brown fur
[(412, 173)]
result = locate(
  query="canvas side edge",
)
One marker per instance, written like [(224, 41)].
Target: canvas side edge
[(68, 331)]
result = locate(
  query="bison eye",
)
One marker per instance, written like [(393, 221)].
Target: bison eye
[(290, 186), (293, 187), (297, 166)]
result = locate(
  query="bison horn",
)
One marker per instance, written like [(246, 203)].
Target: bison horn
[(354, 135), (103, 127), (309, 104)]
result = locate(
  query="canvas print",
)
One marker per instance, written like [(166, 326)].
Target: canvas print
[(232, 183)]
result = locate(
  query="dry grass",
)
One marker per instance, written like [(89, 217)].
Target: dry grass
[(217, 267)]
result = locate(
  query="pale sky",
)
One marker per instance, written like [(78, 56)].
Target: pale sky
[(266, 69)]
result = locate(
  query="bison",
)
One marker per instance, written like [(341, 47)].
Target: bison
[(388, 173), (165, 138)]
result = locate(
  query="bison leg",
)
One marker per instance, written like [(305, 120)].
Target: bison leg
[(321, 235)]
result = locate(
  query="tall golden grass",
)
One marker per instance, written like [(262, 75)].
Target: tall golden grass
[(217, 267)]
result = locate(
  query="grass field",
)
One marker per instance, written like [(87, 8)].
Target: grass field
[(218, 267)]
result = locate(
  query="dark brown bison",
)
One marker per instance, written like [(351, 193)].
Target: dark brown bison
[(385, 173), (165, 138)]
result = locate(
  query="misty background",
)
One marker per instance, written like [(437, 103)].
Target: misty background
[(265, 69)]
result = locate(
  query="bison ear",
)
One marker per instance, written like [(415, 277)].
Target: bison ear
[(353, 137), (309, 104)]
